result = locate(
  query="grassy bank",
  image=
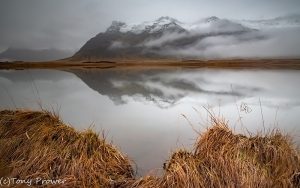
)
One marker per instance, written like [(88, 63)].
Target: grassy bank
[(38, 144)]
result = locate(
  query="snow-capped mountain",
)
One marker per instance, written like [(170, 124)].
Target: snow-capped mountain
[(209, 24), (155, 39), (158, 25)]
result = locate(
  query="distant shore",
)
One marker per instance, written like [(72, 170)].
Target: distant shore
[(291, 64)]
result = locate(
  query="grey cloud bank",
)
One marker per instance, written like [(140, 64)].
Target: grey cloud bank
[(269, 43), (68, 24)]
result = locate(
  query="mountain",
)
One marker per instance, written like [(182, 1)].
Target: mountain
[(159, 38), (19, 54), (161, 24)]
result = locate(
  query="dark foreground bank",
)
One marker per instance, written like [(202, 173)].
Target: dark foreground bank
[(38, 146)]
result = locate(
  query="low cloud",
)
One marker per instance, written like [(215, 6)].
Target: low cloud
[(272, 42), (117, 44), (167, 37)]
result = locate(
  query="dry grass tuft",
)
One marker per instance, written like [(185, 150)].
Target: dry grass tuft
[(223, 159), (38, 144)]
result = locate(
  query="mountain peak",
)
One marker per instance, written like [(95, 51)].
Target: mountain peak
[(211, 19), (161, 24), (115, 26), (164, 23), (166, 19)]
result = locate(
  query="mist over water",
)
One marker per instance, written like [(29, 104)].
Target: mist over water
[(141, 111)]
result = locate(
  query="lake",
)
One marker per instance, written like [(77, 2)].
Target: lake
[(148, 113)]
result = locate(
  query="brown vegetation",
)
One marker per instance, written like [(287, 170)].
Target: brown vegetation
[(38, 144), (293, 64)]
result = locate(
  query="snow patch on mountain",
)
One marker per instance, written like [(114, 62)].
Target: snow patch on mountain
[(151, 26), (205, 25)]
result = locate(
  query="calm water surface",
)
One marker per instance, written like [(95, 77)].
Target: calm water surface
[(141, 111)]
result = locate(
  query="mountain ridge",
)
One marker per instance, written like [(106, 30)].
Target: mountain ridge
[(152, 39)]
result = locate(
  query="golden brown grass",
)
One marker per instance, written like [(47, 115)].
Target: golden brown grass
[(223, 159), (37, 144)]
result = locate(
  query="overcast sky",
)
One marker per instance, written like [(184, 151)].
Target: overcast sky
[(68, 24)]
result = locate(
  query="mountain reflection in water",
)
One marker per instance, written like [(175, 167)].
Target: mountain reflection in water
[(162, 87), (141, 110)]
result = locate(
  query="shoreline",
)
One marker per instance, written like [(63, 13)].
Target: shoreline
[(288, 64)]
